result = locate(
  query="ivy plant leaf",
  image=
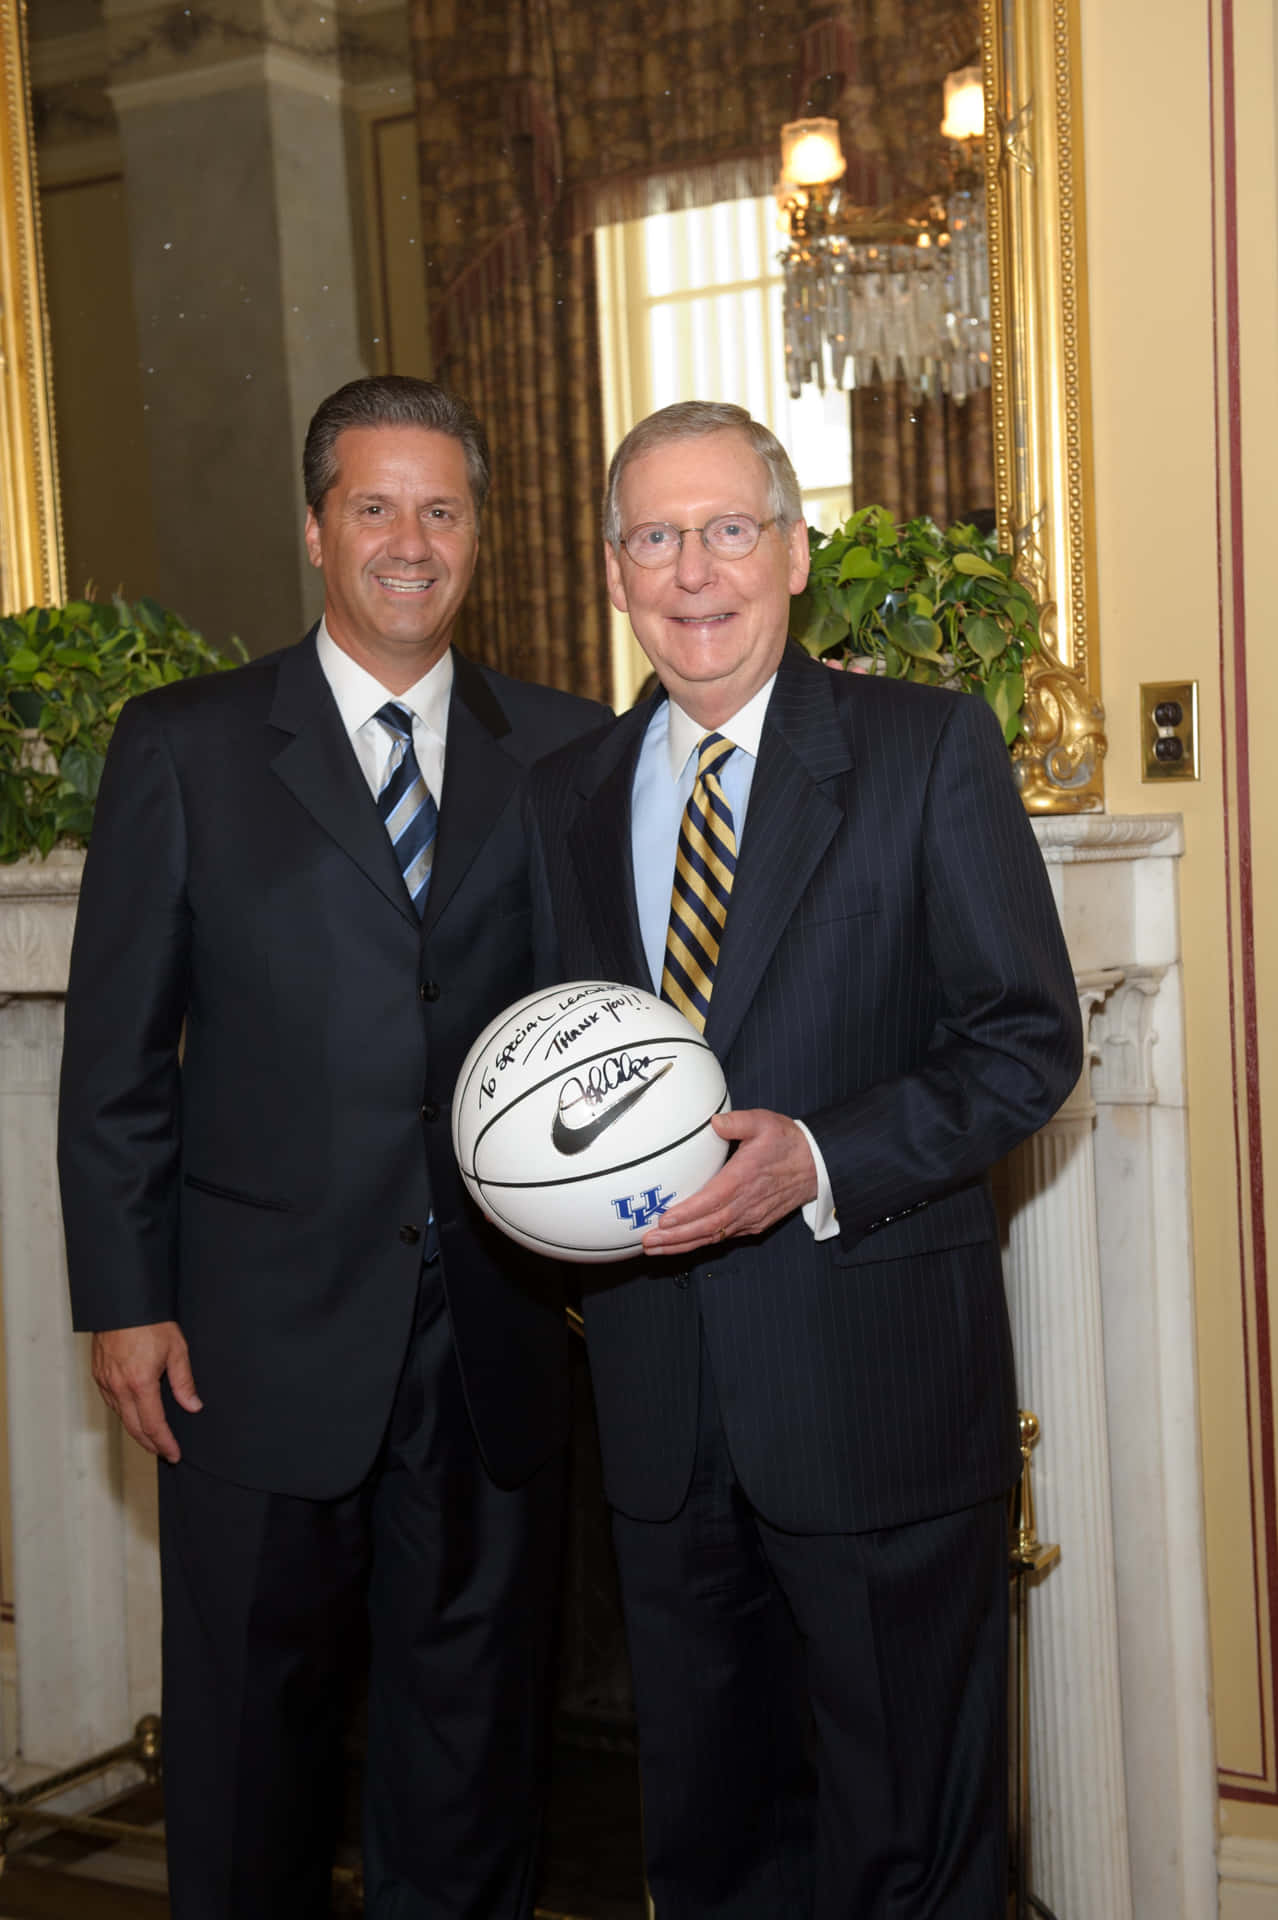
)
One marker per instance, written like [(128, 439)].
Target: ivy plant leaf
[(22, 663), (856, 599), (1006, 694), (859, 563), (81, 769), (985, 637), (76, 822), (917, 637), (814, 623), (980, 569)]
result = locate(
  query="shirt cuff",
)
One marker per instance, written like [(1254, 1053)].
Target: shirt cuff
[(819, 1214)]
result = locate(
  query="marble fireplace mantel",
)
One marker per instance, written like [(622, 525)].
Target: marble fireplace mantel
[(1100, 1284)]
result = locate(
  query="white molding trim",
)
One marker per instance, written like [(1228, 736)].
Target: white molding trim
[(1248, 1879), (81, 163), (303, 73), (38, 899), (69, 57), (1090, 837)]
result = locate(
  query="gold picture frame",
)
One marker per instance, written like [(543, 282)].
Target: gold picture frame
[(1041, 400), (31, 557), (1040, 394)]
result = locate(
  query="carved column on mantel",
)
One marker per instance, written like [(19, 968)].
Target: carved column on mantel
[(1079, 1862), (86, 1603), (1100, 1282)]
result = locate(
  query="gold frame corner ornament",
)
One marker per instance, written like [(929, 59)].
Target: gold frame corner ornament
[(32, 570), (1041, 400)]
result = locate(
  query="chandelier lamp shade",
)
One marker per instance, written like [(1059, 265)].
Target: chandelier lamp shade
[(885, 293)]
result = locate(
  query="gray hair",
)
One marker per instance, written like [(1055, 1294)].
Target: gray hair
[(391, 400), (694, 420)]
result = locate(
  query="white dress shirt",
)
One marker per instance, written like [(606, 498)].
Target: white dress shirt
[(664, 773), (359, 695)]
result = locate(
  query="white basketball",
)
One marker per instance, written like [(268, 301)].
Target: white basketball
[(581, 1113)]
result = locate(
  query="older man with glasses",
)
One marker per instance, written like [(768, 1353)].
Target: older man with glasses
[(805, 1388)]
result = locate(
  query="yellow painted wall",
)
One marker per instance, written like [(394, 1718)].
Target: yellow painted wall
[(1154, 216)]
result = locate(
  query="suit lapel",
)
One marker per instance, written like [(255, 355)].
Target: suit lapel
[(479, 778), (599, 843), (319, 768), (789, 824)]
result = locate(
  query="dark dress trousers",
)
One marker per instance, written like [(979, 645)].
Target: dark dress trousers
[(892, 972), (261, 1045)]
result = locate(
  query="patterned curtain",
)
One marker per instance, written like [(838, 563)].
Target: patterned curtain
[(539, 120), (528, 363), (923, 456)]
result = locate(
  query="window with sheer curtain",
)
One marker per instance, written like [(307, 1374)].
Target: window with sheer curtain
[(690, 309)]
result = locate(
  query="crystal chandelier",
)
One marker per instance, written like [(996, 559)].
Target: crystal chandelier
[(891, 292)]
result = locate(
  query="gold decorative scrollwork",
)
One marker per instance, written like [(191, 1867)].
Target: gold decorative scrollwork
[(1064, 741)]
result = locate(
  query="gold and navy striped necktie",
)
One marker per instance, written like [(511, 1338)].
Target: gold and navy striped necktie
[(705, 862)]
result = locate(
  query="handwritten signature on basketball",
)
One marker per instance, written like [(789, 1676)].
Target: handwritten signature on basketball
[(589, 1104)]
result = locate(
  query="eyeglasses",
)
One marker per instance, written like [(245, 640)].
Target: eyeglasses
[(732, 536)]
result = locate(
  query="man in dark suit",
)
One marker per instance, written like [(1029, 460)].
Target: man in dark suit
[(805, 1396), (307, 891)]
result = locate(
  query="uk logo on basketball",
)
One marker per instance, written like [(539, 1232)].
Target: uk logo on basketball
[(641, 1212)]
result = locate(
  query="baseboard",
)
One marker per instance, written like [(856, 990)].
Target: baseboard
[(1248, 1879)]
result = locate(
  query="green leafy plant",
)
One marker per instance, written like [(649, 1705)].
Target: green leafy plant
[(65, 673), (917, 603)]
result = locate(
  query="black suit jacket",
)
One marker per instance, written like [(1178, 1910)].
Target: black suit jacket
[(271, 1191), (892, 973)]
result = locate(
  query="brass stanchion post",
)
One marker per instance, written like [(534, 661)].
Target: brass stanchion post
[(1030, 1559)]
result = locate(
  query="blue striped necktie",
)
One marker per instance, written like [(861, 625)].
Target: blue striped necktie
[(408, 812), (705, 862)]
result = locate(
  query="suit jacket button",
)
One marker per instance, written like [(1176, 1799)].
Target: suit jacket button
[(428, 990), (680, 1279), (410, 1235), (430, 1111)]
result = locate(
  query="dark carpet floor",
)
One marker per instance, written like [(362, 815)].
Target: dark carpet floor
[(592, 1869)]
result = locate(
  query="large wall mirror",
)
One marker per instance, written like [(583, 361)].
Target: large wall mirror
[(230, 199)]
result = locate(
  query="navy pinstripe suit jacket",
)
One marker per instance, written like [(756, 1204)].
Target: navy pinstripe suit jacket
[(892, 973)]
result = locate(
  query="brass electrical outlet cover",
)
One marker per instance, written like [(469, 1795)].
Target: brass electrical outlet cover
[(1158, 731)]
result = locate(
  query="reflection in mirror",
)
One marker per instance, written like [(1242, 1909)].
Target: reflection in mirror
[(235, 224), (230, 215), (229, 198)]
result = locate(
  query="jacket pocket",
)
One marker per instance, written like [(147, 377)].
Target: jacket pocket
[(831, 907), (237, 1195)]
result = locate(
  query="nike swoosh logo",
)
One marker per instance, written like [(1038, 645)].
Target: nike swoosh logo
[(577, 1139)]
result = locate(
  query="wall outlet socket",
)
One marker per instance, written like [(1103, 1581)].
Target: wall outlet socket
[(1169, 730)]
